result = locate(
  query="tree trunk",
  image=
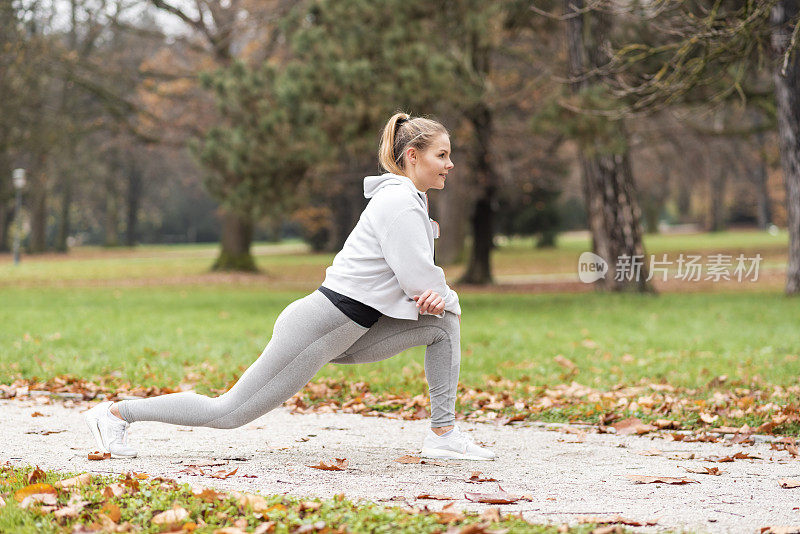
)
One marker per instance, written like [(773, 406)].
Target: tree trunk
[(612, 210), (787, 96), (716, 214), (479, 268), (235, 241), (38, 209), (64, 226), (760, 181), (133, 201), (450, 206), (111, 238)]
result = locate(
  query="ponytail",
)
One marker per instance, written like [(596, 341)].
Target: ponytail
[(403, 131)]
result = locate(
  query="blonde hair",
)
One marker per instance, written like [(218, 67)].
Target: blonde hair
[(403, 131)]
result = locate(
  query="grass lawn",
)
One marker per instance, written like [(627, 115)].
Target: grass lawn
[(158, 318), (151, 505)]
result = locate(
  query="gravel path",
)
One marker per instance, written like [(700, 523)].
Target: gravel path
[(568, 473)]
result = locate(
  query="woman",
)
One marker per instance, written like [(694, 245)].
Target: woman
[(382, 295)]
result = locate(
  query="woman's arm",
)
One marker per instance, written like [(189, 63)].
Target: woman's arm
[(406, 249)]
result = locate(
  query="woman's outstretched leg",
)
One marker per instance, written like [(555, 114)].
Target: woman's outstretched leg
[(307, 334)]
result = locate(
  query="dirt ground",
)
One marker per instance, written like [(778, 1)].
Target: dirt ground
[(568, 472)]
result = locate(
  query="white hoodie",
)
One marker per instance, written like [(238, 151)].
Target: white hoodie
[(388, 257)]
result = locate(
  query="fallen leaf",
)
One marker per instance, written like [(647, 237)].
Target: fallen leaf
[(74, 482), (37, 414), (310, 527), (256, 502), (223, 475), (449, 514), (566, 363), (704, 470), (230, 530), (780, 530), (789, 483), (650, 452), (70, 511), (41, 498), (97, 455), (265, 527), (113, 490), (708, 418), (408, 459), (642, 479), (632, 425), (436, 497), (208, 494), (112, 511), (616, 519), (33, 489), (171, 517), (476, 477), (339, 465), (35, 476), (491, 514), (501, 497), (310, 506), (610, 529)]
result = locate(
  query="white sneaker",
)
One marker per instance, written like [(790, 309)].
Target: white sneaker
[(454, 446), (110, 432)]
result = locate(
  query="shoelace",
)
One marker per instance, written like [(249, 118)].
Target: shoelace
[(120, 432), (462, 439)]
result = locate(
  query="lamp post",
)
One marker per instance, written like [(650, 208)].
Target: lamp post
[(18, 178)]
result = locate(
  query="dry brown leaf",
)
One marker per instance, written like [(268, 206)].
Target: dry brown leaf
[(265, 527), (476, 477), (436, 497), (792, 450), (113, 490), (492, 514), (97, 455), (616, 519), (223, 475), (339, 465), (408, 459), (610, 529), (449, 514), (208, 494), (37, 414), (71, 510), (632, 425), (650, 452), (780, 530), (112, 511), (704, 470), (642, 479), (500, 497), (310, 506), (74, 482), (40, 498), (667, 423), (310, 527), (566, 363), (33, 489), (35, 476), (256, 502), (171, 517), (789, 483)]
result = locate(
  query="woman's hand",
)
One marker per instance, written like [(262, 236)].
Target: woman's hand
[(429, 302)]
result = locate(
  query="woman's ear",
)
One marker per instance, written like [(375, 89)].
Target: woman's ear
[(411, 155)]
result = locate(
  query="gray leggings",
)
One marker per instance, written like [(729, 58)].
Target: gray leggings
[(309, 333)]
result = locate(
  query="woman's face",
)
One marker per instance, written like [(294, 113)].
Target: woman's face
[(428, 168)]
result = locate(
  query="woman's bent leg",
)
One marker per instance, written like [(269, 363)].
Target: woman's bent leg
[(307, 334), (442, 336)]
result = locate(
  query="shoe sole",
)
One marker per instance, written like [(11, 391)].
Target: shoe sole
[(438, 454), (91, 422)]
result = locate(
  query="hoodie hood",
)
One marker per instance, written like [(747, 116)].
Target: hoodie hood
[(373, 184)]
